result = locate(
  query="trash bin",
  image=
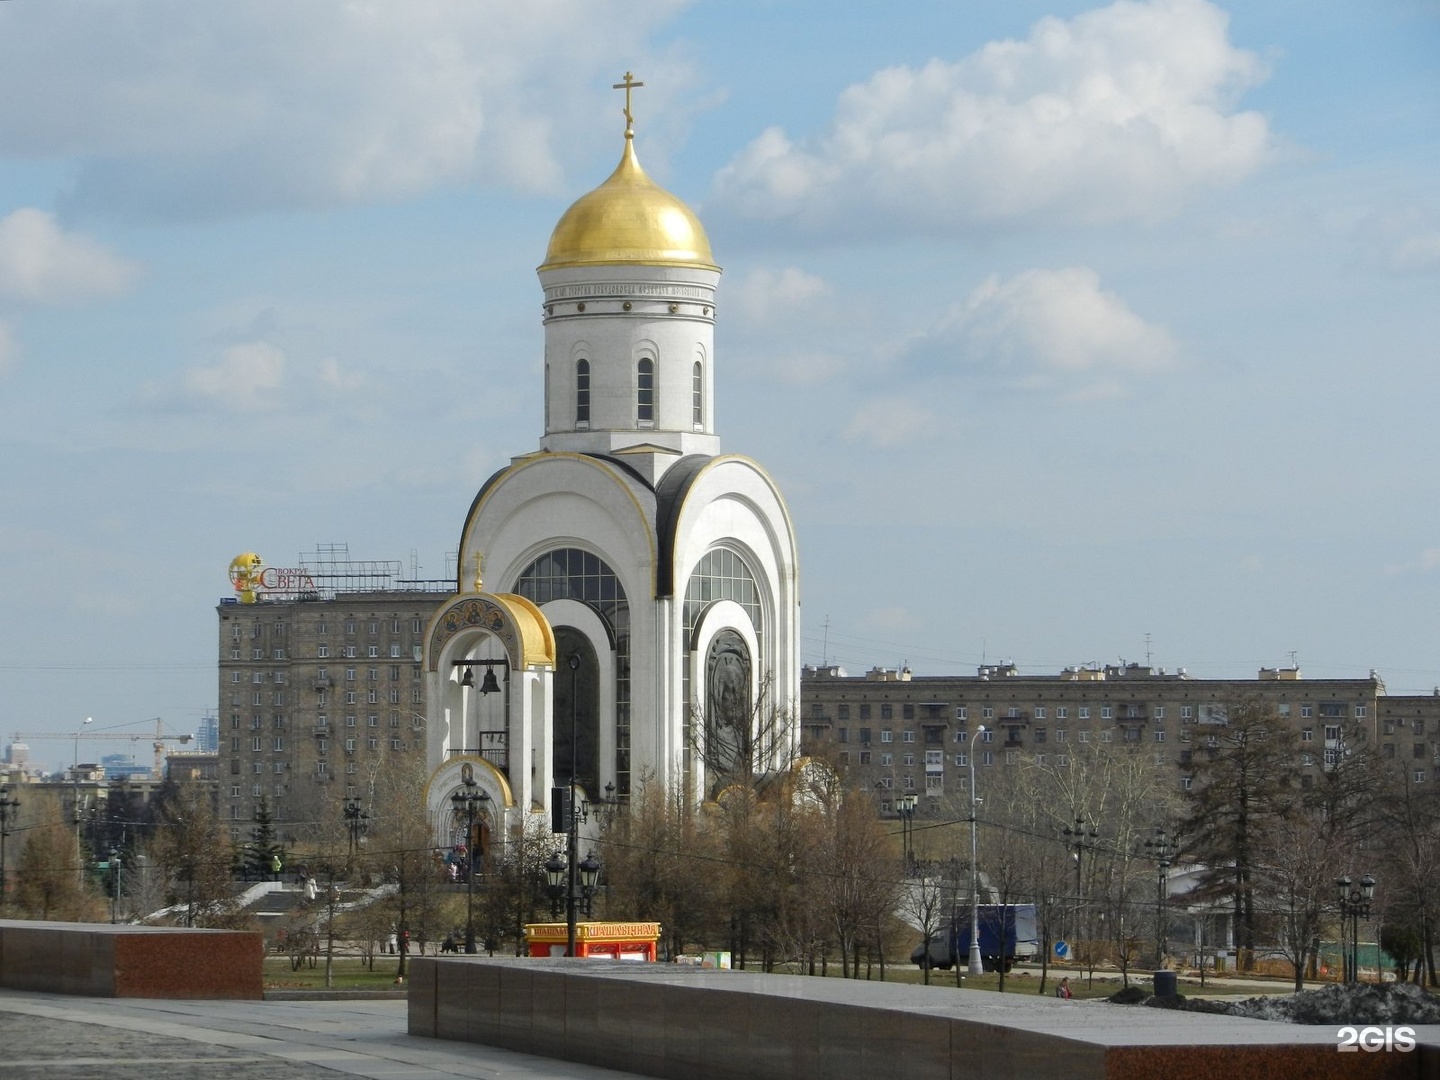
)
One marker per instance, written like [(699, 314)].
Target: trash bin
[(1165, 985)]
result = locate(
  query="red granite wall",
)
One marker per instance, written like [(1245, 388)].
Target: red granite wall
[(100, 960)]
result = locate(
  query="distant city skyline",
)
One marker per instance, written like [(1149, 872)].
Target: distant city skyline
[(1071, 331)]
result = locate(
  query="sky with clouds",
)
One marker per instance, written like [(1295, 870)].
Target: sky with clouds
[(1073, 332)]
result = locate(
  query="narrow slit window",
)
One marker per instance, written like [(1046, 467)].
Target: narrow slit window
[(697, 399), (582, 392), (645, 391)]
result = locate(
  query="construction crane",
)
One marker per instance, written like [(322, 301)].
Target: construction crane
[(158, 745)]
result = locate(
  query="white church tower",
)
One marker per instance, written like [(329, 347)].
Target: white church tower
[(662, 573)]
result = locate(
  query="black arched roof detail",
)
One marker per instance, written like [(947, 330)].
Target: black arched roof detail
[(495, 478), (670, 496)]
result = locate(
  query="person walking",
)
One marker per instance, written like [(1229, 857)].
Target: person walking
[(275, 867)]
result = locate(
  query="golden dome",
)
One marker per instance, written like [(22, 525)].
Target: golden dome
[(629, 219)]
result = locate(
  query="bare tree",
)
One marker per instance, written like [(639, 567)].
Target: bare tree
[(1245, 780), (196, 855)]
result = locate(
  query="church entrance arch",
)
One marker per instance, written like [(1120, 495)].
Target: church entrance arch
[(582, 576)]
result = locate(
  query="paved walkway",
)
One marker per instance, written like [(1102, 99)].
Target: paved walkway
[(54, 1037)]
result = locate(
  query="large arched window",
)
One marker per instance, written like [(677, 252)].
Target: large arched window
[(570, 573), (645, 391), (722, 574), (697, 396), (582, 392)]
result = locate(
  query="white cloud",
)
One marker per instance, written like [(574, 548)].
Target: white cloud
[(1427, 562), (1049, 330), (248, 378), (42, 264), (1116, 114), (767, 295), (1404, 240), (9, 350), (890, 422), (176, 108)]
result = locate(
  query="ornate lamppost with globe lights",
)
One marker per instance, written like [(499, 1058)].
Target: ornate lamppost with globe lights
[(1354, 905), (468, 803)]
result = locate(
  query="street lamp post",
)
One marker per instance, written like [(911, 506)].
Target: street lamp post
[(563, 898), (1161, 848), (906, 806), (572, 841), (466, 803), (8, 809), (1354, 905), (114, 866), (75, 780), (1080, 837), (357, 820), (977, 966)]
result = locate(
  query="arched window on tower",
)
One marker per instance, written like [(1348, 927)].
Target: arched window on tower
[(582, 392), (697, 397), (645, 391)]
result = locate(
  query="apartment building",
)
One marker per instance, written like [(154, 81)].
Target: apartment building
[(320, 684), (914, 735)]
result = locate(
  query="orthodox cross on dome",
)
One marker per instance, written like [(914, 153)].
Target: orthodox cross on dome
[(628, 85), (479, 567)]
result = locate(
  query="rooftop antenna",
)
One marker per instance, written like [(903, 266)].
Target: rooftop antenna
[(1147, 648), (1294, 660), (825, 646)]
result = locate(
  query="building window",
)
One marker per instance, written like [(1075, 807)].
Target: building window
[(1084, 736), (987, 758), (1360, 711), (1062, 712), (1186, 781), (886, 712), (962, 712), (864, 757), (697, 399), (255, 743), (1419, 776), (1159, 712), (865, 712), (1084, 713), (1307, 734), (645, 391), (1060, 734), (1107, 712), (885, 759), (987, 713), (842, 712), (988, 735), (908, 760), (373, 651), (1159, 734), (1307, 711), (962, 735), (1062, 760), (886, 735), (907, 736), (961, 760), (1039, 712), (1187, 712)]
